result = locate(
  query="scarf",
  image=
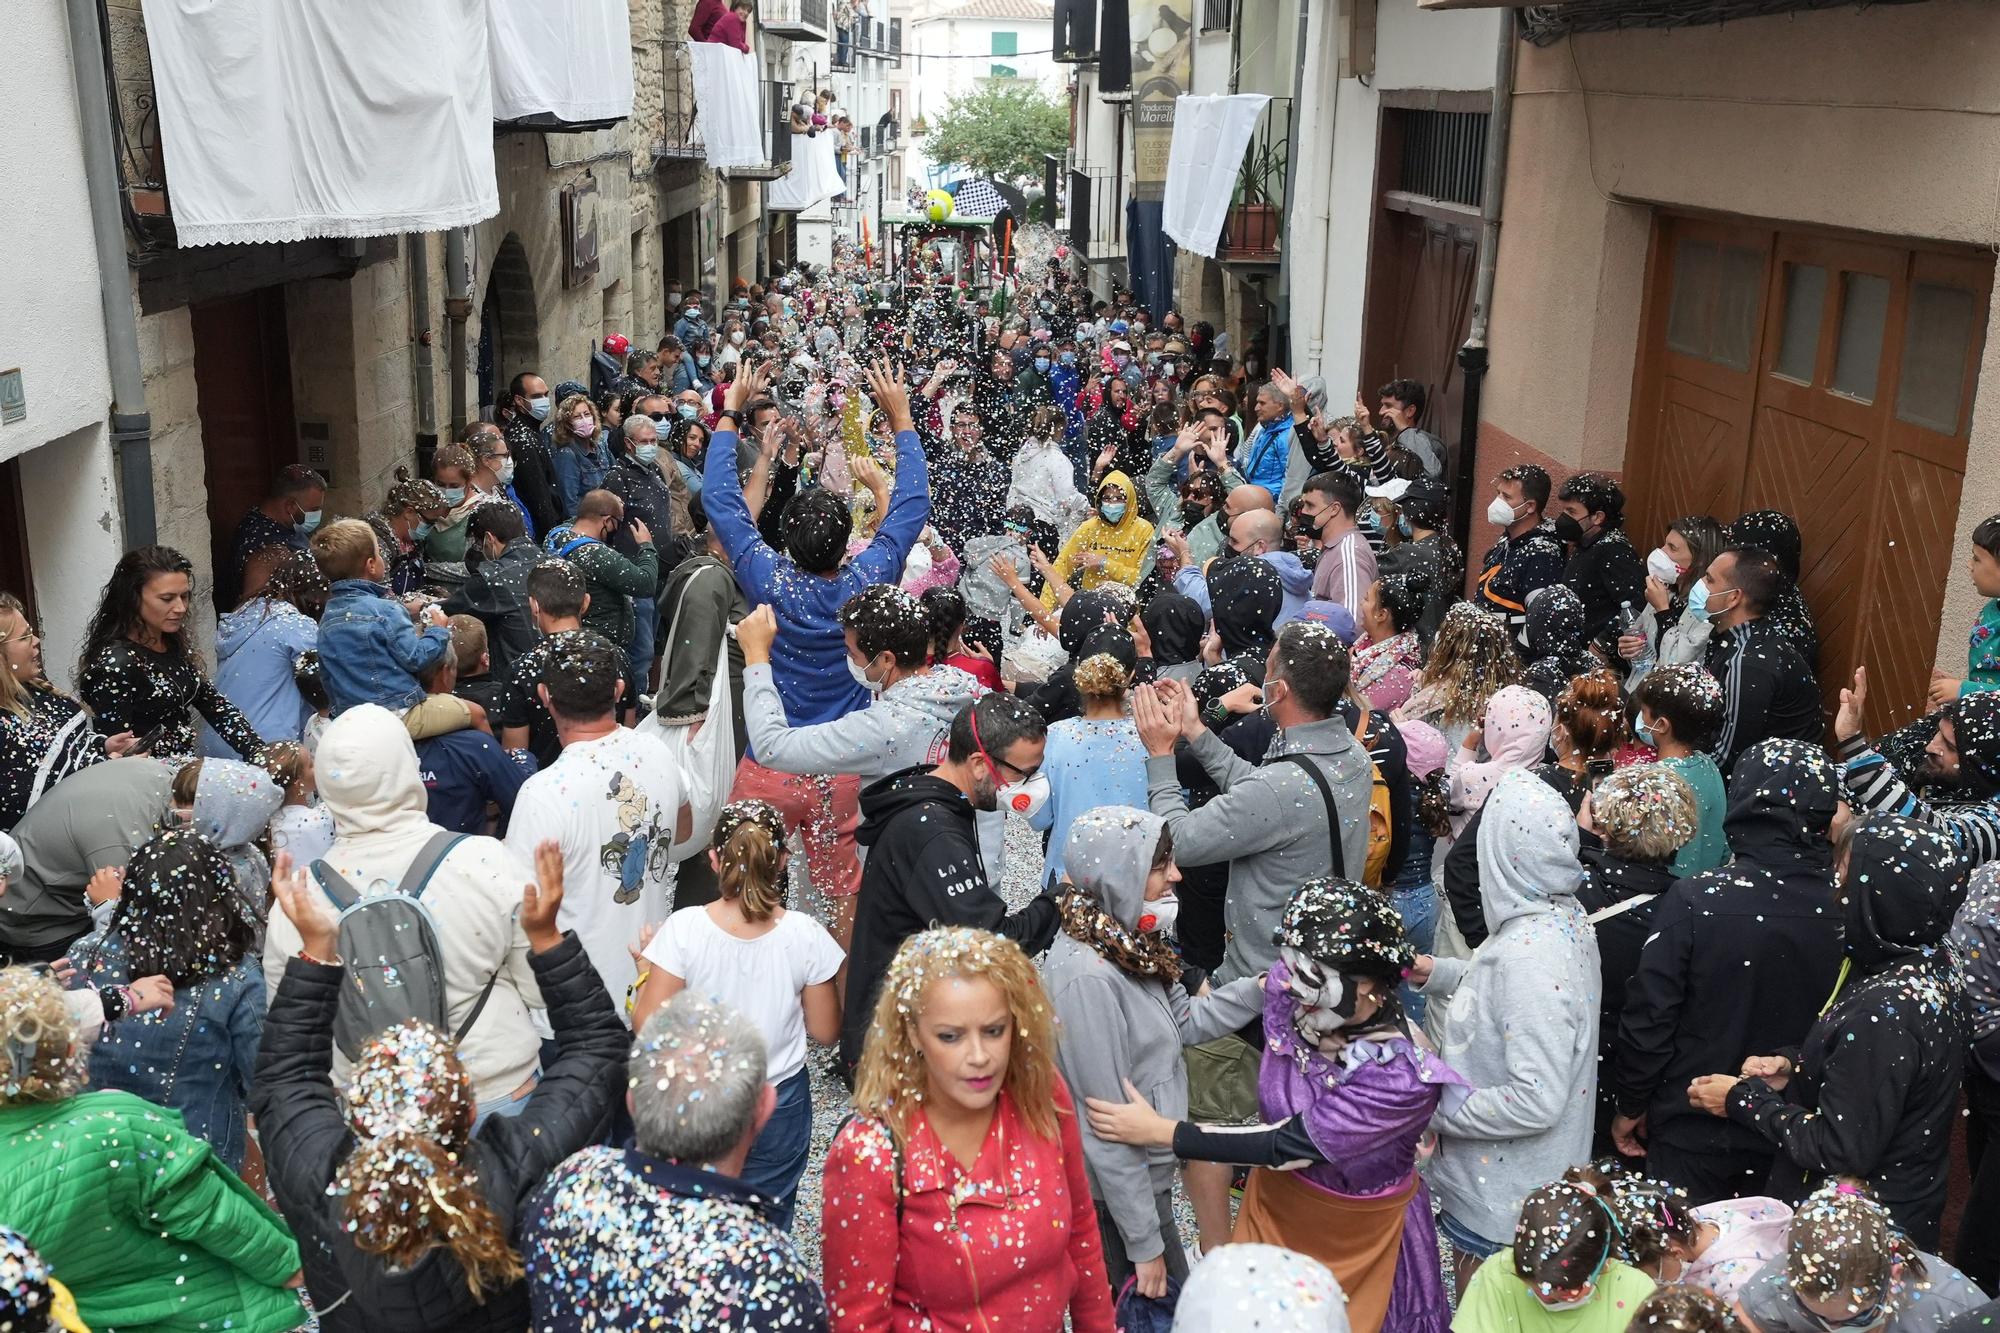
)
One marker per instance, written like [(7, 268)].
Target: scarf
[(1139, 953)]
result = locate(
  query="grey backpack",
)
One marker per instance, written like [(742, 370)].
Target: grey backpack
[(389, 947)]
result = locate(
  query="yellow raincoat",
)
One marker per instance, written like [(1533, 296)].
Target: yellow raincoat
[(1122, 544)]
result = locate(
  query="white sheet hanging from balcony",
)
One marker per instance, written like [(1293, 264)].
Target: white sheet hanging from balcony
[(566, 59), (727, 116), (1210, 137), (322, 117), (815, 174)]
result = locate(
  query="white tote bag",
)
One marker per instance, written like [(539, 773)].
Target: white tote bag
[(707, 757)]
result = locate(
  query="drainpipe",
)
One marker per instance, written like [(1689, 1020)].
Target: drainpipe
[(457, 310), (420, 315), (1472, 358), (131, 423)]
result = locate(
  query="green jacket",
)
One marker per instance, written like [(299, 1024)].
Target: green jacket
[(141, 1222), (614, 581)]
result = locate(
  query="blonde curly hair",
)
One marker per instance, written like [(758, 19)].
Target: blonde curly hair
[(40, 1060), (1471, 660), (890, 1082)]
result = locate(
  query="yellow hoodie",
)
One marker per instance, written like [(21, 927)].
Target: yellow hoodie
[(1122, 544)]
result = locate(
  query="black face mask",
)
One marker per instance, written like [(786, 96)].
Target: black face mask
[(1193, 512), (1568, 529)]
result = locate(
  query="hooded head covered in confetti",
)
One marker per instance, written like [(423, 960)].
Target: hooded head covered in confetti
[(1904, 882), (1262, 1288), (1975, 720), (1782, 796), (409, 1185), (1247, 594), (1111, 854), (1335, 934)]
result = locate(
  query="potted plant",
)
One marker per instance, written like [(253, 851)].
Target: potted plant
[(1252, 221)]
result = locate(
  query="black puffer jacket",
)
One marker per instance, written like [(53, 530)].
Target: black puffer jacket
[(306, 1137), (1741, 957), (1620, 896), (1876, 1087)]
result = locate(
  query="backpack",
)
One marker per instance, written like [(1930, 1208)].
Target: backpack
[(1378, 813), (389, 949)]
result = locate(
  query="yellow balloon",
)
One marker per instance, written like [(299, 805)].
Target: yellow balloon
[(938, 205)]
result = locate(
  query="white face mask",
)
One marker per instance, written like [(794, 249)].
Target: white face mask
[(861, 678), (1662, 567), (1500, 514), (1160, 914), (1025, 798), (1557, 1307)]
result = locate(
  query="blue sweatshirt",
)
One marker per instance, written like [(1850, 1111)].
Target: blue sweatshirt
[(808, 661), (462, 771)]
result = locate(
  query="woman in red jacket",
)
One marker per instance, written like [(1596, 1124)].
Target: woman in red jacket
[(732, 26), (955, 1198)]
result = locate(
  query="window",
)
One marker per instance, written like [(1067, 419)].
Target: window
[(1713, 314), (1006, 44), (1443, 154), (1805, 301), (1936, 336), (1864, 311), (1217, 15)]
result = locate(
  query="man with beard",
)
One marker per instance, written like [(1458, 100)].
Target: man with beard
[(924, 867), (1961, 765), (1604, 571)]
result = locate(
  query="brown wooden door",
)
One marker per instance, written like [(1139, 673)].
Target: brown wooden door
[(1420, 312), (243, 376), (1773, 376)]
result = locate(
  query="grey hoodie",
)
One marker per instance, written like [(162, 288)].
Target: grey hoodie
[(905, 727), (1521, 1018), (1116, 1026), (1269, 824), (233, 805)]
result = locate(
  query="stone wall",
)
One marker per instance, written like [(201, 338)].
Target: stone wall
[(180, 495)]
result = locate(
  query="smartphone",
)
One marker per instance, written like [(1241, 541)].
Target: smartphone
[(149, 740)]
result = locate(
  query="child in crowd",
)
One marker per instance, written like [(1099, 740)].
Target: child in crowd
[(1982, 657), (1561, 1272), (370, 649), (302, 826)]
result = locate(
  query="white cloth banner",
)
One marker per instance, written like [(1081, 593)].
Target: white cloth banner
[(283, 121), (1210, 137), (815, 174), (726, 110), (570, 59)]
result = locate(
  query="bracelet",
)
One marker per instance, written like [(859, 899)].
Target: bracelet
[(303, 956), (632, 991)]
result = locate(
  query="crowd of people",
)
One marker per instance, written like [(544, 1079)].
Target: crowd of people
[(1413, 943)]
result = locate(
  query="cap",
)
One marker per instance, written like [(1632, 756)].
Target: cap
[(616, 344), (1119, 326), (1392, 489), (1332, 615), (1121, 346)]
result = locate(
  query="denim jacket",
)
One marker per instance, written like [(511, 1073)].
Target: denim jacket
[(197, 1060), (580, 469), (369, 650)]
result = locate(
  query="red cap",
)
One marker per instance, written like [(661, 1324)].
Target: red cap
[(616, 344)]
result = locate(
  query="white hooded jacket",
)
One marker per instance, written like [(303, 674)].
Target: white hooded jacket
[(367, 774)]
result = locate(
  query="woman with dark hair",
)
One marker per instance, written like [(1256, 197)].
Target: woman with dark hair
[(694, 371), (686, 443), (259, 644), (1113, 437), (408, 1208), (179, 916), (410, 512), (1388, 658), (1672, 568), (138, 671), (947, 612), (44, 734)]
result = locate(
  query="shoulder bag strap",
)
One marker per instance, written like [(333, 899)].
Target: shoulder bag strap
[(57, 745), (1332, 813), (418, 877), (674, 623), (335, 885)]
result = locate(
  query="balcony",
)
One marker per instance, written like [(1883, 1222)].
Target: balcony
[(896, 41), (798, 20), (1075, 33), (677, 141), (777, 135), (1253, 230), (843, 50), (867, 141), (888, 135), (1095, 214), (875, 41)]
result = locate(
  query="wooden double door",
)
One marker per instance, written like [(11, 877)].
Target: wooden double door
[(1831, 378)]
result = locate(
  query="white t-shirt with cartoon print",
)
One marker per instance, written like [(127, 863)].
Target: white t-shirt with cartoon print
[(611, 804)]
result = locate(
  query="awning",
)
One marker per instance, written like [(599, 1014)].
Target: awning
[(727, 115), (561, 62), (1211, 135), (311, 118)]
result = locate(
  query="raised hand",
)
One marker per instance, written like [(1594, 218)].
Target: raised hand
[(541, 898), (307, 909)]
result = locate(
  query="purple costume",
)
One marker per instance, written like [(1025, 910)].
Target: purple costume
[(1365, 1112)]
